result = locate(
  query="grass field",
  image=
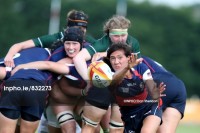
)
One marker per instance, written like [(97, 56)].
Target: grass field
[(188, 128)]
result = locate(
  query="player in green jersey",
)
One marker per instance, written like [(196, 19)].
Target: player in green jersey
[(74, 18)]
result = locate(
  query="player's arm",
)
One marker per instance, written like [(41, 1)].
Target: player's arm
[(151, 87), (8, 60), (119, 75), (98, 55), (80, 63), (43, 41), (55, 67), (46, 41), (155, 92)]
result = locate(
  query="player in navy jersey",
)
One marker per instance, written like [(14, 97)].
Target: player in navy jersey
[(67, 91), (175, 100), (134, 91), (91, 118), (24, 93)]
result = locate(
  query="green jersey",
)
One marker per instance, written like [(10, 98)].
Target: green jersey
[(103, 44), (47, 40)]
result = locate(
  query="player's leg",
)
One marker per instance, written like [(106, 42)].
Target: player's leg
[(28, 126), (65, 117), (43, 126), (8, 120), (151, 124), (105, 121), (152, 119), (52, 123), (91, 117), (96, 106), (171, 118), (10, 111), (116, 123), (174, 104)]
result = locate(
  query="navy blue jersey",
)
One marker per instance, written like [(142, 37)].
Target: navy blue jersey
[(132, 92), (175, 89), (30, 83), (27, 56), (30, 55), (74, 76), (59, 53), (134, 100)]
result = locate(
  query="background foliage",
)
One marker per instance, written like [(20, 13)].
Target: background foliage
[(170, 36)]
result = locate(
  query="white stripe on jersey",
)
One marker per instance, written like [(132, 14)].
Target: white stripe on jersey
[(92, 48), (40, 42), (147, 75)]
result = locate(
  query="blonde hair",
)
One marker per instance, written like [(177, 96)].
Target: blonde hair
[(116, 22)]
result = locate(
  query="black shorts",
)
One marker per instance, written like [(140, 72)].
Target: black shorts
[(99, 97), (30, 101)]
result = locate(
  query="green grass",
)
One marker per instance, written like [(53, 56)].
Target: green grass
[(188, 128)]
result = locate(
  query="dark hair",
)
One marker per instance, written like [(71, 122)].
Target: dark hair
[(114, 47), (73, 34), (119, 46), (77, 18)]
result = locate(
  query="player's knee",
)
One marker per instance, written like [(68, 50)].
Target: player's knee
[(116, 125), (90, 122), (64, 117)]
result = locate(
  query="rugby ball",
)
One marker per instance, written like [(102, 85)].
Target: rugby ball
[(100, 74)]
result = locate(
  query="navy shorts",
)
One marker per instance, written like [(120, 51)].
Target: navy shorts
[(175, 91), (133, 118), (99, 97), (15, 98)]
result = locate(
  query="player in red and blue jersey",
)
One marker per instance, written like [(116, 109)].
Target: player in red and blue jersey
[(134, 90)]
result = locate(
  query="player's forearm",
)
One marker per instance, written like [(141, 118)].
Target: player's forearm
[(154, 91), (81, 67), (118, 76), (41, 65), (80, 63), (20, 46), (55, 67)]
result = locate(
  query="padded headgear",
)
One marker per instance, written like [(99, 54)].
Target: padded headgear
[(73, 34), (77, 18)]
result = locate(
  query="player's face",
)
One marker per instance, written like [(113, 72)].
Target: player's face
[(118, 60), (118, 38), (72, 48)]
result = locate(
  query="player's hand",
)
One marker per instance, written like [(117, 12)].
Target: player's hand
[(86, 89), (134, 61), (8, 61), (162, 88), (98, 56)]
